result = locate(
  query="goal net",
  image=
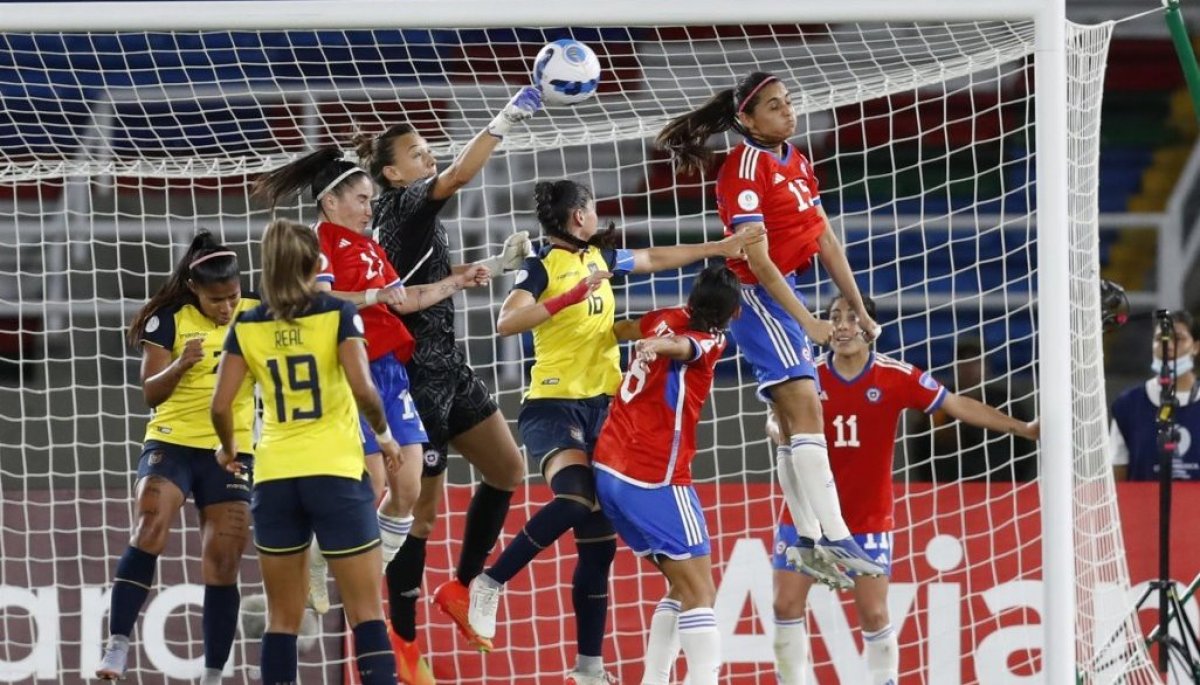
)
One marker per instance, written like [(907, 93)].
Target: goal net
[(115, 147)]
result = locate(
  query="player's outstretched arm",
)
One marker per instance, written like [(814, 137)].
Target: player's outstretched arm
[(470, 161), (977, 413), (833, 258), (521, 312), (674, 347), (424, 296), (768, 275), (628, 329), (653, 259)]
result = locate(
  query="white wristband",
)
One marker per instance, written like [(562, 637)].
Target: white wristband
[(385, 436), (500, 126), (371, 297)]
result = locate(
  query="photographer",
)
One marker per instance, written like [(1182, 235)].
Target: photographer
[(1133, 439)]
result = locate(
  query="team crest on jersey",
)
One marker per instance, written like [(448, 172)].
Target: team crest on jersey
[(874, 395), (748, 200), (592, 268), (928, 382), (807, 354)]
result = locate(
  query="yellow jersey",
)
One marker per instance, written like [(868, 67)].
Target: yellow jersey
[(310, 420), (575, 351), (183, 418)]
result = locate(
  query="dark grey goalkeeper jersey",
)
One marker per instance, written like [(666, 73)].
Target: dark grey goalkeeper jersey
[(408, 228)]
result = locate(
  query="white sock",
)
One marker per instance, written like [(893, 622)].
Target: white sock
[(662, 647), (212, 676), (393, 531), (791, 651), (810, 463), (883, 656), (701, 645), (803, 517)]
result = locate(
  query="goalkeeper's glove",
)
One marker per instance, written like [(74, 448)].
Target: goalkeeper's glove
[(523, 105), (516, 248)]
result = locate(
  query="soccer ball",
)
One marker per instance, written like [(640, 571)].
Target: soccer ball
[(567, 71)]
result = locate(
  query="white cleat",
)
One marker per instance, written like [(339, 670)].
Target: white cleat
[(817, 566), (847, 553), (318, 580), (485, 602), (112, 664)]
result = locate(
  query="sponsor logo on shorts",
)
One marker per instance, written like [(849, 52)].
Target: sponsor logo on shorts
[(156, 457), (577, 434), (244, 487)]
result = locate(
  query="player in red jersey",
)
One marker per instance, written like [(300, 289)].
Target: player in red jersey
[(766, 181), (864, 393), (643, 466), (355, 268)]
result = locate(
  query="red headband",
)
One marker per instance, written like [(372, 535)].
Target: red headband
[(742, 105), (211, 255)]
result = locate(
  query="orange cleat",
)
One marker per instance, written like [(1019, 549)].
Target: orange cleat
[(411, 666), (454, 599)]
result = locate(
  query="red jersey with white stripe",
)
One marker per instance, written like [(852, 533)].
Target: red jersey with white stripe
[(649, 438), (353, 262), (755, 185), (861, 415)]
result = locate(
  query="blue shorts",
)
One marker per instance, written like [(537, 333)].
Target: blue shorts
[(665, 520), (550, 426), (771, 340), (391, 380), (195, 472), (341, 511), (878, 545)]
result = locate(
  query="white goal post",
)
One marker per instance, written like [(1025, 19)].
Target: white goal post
[(1066, 287)]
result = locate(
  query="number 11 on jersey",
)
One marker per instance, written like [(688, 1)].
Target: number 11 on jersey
[(847, 431)]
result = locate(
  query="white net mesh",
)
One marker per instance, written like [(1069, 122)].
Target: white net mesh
[(115, 147)]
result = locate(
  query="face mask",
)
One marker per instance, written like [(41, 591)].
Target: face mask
[(1182, 366)]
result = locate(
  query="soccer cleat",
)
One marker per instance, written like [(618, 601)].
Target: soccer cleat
[(112, 664), (318, 577), (411, 666), (813, 564), (847, 553), (601, 678), (455, 600)]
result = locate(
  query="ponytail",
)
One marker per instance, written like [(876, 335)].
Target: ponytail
[(685, 137), (206, 262), (290, 254), (321, 172), (556, 200)]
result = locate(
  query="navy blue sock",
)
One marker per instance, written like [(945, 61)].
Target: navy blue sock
[(373, 651), (572, 486), (131, 584), (596, 544), (278, 659), (221, 604), (404, 586), (485, 520)]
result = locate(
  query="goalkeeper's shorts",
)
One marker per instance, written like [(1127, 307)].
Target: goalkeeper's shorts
[(771, 340)]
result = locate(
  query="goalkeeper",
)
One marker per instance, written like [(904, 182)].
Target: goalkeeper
[(454, 404)]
